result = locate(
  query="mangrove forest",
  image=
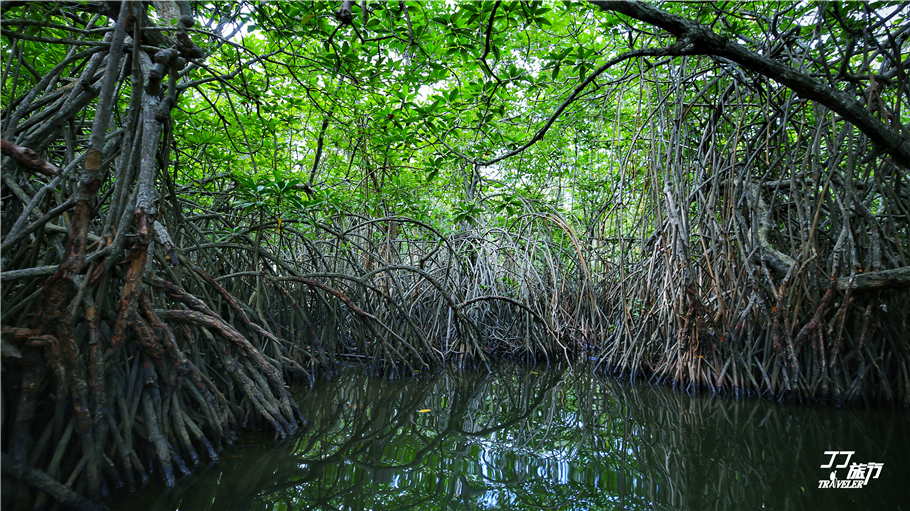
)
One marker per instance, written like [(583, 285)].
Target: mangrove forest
[(205, 202)]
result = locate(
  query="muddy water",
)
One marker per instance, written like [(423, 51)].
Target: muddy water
[(550, 438)]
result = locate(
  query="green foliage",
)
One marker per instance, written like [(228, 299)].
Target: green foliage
[(406, 104)]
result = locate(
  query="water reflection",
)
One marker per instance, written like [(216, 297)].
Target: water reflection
[(525, 438)]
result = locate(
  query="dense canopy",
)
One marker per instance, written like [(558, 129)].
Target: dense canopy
[(204, 200)]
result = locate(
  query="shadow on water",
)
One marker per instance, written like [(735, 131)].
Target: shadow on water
[(546, 438)]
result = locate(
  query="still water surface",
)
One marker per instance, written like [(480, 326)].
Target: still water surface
[(546, 438)]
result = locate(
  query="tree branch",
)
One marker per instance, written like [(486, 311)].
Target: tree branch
[(895, 278), (675, 50), (705, 42), (486, 50), (28, 159)]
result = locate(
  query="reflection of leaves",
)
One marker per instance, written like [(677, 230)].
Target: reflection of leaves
[(556, 439), (363, 433)]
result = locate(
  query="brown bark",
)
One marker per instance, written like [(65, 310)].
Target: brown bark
[(28, 159), (896, 278)]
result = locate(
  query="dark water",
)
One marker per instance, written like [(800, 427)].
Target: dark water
[(547, 439)]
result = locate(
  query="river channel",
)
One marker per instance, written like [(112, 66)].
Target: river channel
[(549, 438)]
